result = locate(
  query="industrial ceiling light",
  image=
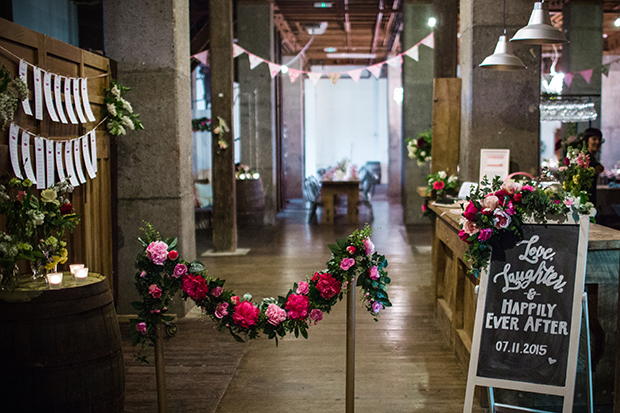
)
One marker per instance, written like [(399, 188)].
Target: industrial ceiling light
[(539, 29), (432, 22), (617, 22), (502, 58)]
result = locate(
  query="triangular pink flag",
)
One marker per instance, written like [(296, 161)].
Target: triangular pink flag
[(254, 60), (294, 74), (375, 69), (237, 50), (395, 62), (274, 69), (334, 77), (355, 74), (568, 78), (314, 77), (202, 57), (429, 41), (587, 74), (414, 53)]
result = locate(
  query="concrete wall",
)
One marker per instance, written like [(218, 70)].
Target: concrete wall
[(610, 116)]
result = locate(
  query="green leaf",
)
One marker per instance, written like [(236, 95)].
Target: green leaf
[(196, 266), (334, 248), (167, 317), (296, 332), (236, 337), (138, 305), (304, 333), (172, 244)]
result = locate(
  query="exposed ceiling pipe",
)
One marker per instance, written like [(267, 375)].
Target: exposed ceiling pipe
[(390, 23), (375, 37)]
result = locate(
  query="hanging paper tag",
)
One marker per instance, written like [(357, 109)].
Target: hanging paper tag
[(78, 162), (23, 74), (59, 169), (39, 156), (69, 163), (38, 92), (26, 161), (87, 158), (86, 101), (47, 88), (93, 149), (76, 99), (68, 104), (58, 99), (49, 162), (13, 148)]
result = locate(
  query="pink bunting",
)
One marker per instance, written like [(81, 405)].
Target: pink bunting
[(202, 57), (375, 69), (314, 77), (429, 41), (237, 50), (395, 62), (294, 74), (274, 69), (568, 78), (254, 60), (587, 74), (355, 74), (414, 53), (334, 77)]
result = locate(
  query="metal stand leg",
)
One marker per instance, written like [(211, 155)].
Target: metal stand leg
[(160, 372), (350, 379), (584, 303)]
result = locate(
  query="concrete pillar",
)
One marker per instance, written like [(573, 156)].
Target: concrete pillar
[(582, 21), (446, 42), (150, 42), (417, 104), (293, 132), (610, 122), (257, 96), (499, 110), (395, 130)]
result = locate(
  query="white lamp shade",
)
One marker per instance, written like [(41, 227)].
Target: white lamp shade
[(539, 29), (502, 59)]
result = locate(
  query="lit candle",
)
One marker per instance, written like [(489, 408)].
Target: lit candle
[(74, 267), (55, 280), (80, 275)]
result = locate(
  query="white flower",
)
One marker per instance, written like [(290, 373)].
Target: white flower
[(111, 109), (36, 216), (452, 179), (442, 174), (116, 92), (127, 122), (427, 159), (121, 130), (423, 154), (126, 105)]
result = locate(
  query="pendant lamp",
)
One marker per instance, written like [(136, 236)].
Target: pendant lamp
[(539, 29), (502, 58)]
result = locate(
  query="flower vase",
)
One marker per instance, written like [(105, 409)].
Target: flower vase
[(38, 270), (8, 278)]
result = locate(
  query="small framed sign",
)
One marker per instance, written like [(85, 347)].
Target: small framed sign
[(494, 162), (528, 313)]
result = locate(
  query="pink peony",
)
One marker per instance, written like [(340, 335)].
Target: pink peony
[(217, 291), (490, 202), (234, 299), (155, 291), (303, 288), (511, 186), (195, 286), (438, 185), (470, 211), (246, 314), (179, 271), (275, 314), (501, 220), (376, 307), (221, 310), (347, 263), (351, 249), (327, 286), (374, 273), (173, 255), (141, 327), (369, 246), (315, 315), (485, 234), (157, 252), (297, 306)]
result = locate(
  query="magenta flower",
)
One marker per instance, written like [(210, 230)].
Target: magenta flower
[(438, 185), (369, 246), (246, 314), (376, 307), (217, 291), (347, 263), (351, 249), (141, 328), (157, 252), (155, 291), (275, 314), (374, 273), (297, 306), (327, 286), (221, 310), (510, 210), (195, 286), (470, 211), (315, 315), (179, 271), (485, 234), (528, 188), (303, 288)]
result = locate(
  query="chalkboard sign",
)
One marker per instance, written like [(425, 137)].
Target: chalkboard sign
[(528, 312)]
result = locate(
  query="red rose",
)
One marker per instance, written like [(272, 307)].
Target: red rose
[(470, 211), (464, 235), (66, 208), (234, 299), (421, 142), (315, 276), (173, 255), (517, 197), (351, 249)]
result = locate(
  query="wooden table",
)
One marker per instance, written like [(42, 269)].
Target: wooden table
[(330, 189), (455, 298)]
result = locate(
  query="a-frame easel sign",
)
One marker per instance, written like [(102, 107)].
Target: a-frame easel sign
[(528, 314)]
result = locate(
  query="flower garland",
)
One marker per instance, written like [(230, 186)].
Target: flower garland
[(161, 272), (119, 112), (420, 148), (501, 207)]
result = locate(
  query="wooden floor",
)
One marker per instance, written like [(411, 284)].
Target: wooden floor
[(403, 362)]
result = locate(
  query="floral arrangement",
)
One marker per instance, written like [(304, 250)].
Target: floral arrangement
[(420, 148), (577, 174), (201, 125), (441, 183), (501, 207), (343, 171), (35, 226), (119, 111), (161, 272), (244, 172), (12, 91)]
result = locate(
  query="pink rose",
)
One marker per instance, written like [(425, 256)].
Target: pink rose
[(297, 306), (438, 185), (275, 314), (470, 211), (217, 291), (511, 186), (195, 286), (141, 328), (234, 299), (315, 315), (246, 314), (501, 220), (157, 252), (351, 249), (374, 273), (155, 291), (179, 271), (221, 310), (469, 227), (347, 263), (303, 288), (327, 286), (485, 234), (369, 246), (376, 307), (490, 202), (173, 255)]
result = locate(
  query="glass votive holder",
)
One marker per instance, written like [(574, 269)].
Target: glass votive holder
[(74, 267), (80, 275), (54, 279)]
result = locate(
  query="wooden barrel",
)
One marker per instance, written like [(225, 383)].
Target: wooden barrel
[(61, 352), (250, 202)]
